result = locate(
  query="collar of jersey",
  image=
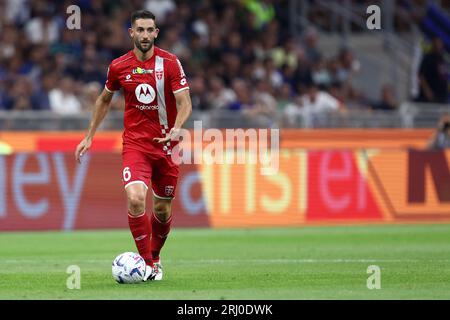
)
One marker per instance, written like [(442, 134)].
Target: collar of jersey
[(136, 58)]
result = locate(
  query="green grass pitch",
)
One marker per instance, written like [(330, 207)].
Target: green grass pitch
[(270, 263)]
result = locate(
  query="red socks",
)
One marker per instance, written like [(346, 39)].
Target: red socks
[(141, 230), (160, 232)]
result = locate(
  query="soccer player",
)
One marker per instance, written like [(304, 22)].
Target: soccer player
[(157, 104)]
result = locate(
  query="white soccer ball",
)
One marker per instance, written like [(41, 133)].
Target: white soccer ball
[(128, 267)]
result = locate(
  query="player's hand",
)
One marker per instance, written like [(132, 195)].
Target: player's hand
[(173, 134), (82, 148)]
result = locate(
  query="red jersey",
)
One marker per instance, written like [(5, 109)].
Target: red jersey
[(148, 88)]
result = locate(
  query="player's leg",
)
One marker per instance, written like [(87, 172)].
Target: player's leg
[(135, 174), (136, 195), (164, 182), (138, 220), (161, 221)]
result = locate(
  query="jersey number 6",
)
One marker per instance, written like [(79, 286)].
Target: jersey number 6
[(126, 174)]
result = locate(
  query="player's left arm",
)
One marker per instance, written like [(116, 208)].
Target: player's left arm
[(184, 107), (184, 110)]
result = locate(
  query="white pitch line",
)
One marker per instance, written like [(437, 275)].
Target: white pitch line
[(221, 261), (300, 261)]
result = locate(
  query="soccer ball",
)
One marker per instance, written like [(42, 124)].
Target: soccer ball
[(128, 267)]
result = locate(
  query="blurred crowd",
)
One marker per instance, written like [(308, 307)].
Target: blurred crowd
[(238, 55)]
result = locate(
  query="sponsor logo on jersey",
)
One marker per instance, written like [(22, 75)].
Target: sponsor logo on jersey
[(145, 93), (147, 107), (140, 70)]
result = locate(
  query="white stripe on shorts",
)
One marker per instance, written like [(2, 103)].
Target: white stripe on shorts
[(136, 181)]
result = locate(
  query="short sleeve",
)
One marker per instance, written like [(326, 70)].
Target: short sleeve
[(112, 82), (178, 81)]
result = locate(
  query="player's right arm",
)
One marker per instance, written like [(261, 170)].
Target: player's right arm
[(101, 108)]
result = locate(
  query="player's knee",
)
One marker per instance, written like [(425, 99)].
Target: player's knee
[(136, 203), (162, 210)]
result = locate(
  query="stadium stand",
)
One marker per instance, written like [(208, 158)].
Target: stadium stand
[(250, 62)]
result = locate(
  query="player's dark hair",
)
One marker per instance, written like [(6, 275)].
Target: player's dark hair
[(142, 14)]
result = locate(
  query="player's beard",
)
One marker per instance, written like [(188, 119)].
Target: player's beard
[(142, 49)]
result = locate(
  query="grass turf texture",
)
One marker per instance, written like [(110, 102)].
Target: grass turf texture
[(289, 263)]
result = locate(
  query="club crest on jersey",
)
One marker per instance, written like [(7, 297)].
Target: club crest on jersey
[(159, 74), (169, 190), (140, 70)]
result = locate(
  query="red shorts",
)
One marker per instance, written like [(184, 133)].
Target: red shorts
[(157, 170)]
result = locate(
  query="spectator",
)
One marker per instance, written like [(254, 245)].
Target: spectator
[(202, 25), (234, 44), (8, 39), (243, 98), (310, 40), (310, 106), (198, 55), (318, 101), (320, 75), (441, 137), (219, 96), (198, 93), (38, 57), (263, 113), (272, 73), (387, 101), (349, 64), (238, 55), (433, 75), (292, 115), (289, 76), (90, 70), (262, 11), (232, 66), (160, 8), (284, 97), (90, 92), (6, 99), (40, 99), (2, 98), (227, 21), (302, 76), (115, 38), (214, 49), (69, 44), (349, 68), (20, 99), (338, 75), (16, 11), (63, 99), (21, 103), (336, 91), (172, 42), (43, 28), (285, 55)]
